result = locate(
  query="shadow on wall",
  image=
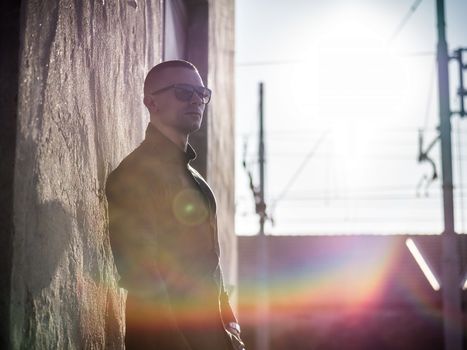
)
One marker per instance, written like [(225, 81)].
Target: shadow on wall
[(45, 246), (67, 294), (47, 235)]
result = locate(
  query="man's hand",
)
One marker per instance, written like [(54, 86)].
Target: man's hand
[(234, 330)]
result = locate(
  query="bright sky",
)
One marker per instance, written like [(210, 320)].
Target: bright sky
[(343, 106)]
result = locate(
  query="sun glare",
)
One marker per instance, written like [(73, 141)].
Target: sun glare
[(341, 75), (355, 59)]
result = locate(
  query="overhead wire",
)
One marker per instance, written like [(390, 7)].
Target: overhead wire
[(405, 19), (299, 170), (363, 220), (306, 133), (389, 197), (246, 64), (355, 220), (283, 194), (383, 157)]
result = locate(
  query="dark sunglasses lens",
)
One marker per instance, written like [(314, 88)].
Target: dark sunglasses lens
[(204, 94), (183, 93)]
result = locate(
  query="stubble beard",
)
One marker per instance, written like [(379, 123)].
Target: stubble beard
[(189, 123)]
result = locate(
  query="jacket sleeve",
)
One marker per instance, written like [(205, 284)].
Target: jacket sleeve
[(226, 309), (132, 240), (227, 313)]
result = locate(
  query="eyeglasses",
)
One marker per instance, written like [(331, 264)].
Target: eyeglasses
[(184, 92)]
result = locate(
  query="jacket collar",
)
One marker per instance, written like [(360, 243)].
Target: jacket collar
[(165, 148)]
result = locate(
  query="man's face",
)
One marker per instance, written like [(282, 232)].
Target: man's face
[(184, 117)]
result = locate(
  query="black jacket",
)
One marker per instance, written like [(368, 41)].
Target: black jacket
[(163, 233)]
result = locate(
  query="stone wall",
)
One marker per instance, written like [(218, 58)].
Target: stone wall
[(80, 112), (82, 66), (221, 130)]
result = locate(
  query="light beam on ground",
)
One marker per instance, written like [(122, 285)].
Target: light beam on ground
[(422, 263)]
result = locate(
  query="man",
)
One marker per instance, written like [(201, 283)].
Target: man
[(163, 228)]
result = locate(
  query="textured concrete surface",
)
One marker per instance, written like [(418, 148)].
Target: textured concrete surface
[(82, 66), (221, 130)]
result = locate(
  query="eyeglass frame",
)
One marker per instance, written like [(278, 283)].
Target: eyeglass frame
[(194, 88)]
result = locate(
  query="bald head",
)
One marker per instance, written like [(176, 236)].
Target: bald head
[(157, 76), (164, 89)]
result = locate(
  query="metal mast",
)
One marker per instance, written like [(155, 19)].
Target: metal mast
[(262, 341), (450, 286)]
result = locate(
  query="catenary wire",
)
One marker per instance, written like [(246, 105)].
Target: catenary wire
[(405, 19)]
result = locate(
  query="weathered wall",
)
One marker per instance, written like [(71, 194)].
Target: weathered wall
[(82, 66), (221, 129), (80, 112)]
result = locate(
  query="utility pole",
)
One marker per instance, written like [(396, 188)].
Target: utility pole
[(262, 293), (451, 277), (261, 206), (262, 341)]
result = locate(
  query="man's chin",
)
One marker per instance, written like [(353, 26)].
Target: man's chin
[(193, 127)]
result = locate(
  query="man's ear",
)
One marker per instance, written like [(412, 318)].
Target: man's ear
[(150, 104)]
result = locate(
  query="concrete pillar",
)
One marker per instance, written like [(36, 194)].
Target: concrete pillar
[(74, 75), (82, 67)]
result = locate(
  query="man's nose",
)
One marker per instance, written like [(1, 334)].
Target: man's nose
[(196, 99)]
